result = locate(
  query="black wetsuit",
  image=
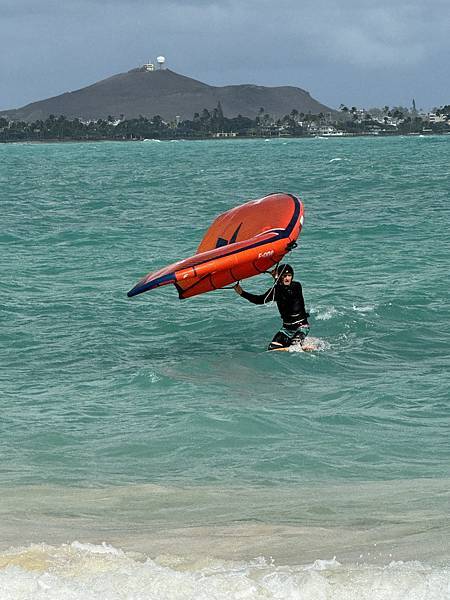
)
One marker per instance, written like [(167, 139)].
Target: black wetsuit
[(290, 302)]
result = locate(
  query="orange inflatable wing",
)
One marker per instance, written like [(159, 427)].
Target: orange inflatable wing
[(242, 242)]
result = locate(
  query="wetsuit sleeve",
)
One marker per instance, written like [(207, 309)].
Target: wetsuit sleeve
[(259, 298)]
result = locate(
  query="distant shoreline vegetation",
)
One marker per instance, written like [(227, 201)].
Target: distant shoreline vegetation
[(213, 124)]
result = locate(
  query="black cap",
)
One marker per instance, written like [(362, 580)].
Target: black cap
[(284, 269)]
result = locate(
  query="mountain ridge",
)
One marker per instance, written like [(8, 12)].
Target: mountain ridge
[(139, 92)]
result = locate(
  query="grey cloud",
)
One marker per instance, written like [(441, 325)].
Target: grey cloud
[(319, 45)]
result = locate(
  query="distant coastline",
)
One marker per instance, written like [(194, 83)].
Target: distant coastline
[(148, 103), (218, 139), (214, 125)]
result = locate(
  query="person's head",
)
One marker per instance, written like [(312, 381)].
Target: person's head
[(285, 274)]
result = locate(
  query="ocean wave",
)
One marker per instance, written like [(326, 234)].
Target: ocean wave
[(101, 572)]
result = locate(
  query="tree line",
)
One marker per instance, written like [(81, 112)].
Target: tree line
[(213, 123)]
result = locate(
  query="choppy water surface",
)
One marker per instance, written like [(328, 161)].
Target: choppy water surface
[(162, 427)]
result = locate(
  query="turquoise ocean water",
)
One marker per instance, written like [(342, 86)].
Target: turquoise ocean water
[(151, 448)]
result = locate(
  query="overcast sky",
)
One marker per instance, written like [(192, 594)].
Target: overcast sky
[(356, 52)]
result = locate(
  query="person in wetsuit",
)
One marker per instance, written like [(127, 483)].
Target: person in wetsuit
[(288, 295)]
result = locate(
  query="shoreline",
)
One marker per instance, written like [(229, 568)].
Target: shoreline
[(221, 139), (371, 521), (83, 570)]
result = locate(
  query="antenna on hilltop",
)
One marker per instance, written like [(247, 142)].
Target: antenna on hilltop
[(160, 60), (149, 66)]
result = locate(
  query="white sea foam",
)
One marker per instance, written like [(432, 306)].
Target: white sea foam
[(87, 572), (154, 377), (364, 308), (312, 344), (324, 314), (97, 549)]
